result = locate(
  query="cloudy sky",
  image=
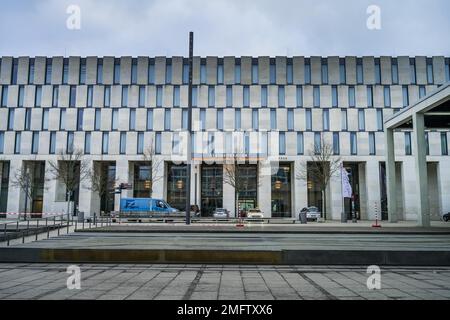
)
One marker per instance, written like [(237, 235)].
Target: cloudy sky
[(225, 27)]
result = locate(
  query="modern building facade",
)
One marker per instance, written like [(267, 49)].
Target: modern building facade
[(265, 113)]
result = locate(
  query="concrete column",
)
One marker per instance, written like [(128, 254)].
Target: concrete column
[(334, 197), (229, 201), (444, 185), (300, 192), (122, 171), (159, 184), (85, 194), (264, 188), (423, 215), (14, 193), (373, 189), (49, 190), (390, 175)]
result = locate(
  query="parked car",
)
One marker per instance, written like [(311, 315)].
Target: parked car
[(254, 213), (446, 217), (312, 213), (221, 213)]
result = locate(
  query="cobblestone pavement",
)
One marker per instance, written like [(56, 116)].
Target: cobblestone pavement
[(233, 282)]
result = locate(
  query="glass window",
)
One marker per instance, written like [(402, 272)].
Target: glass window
[(324, 72), (15, 67), (282, 143), (316, 94), (237, 73), (264, 97), (326, 119), (140, 143), (203, 73), (372, 148), (124, 96), (344, 123), (31, 72), (27, 119), (405, 96), (342, 73), (369, 96), (273, 73), (132, 119), (159, 96), (444, 144), (380, 119), (48, 71), (299, 98), (83, 71), (194, 96), (149, 119), (168, 72), (134, 72), (45, 119), (38, 96), (21, 96), (185, 73), (387, 96), (69, 146), (211, 96), (336, 147), (422, 92), (90, 96), (105, 142), (220, 74), (300, 144), (334, 96), (4, 96), (255, 119), (394, 71), (219, 119), (359, 72), (361, 120), (237, 119), (353, 143), (116, 79), (35, 142), (107, 96), (62, 119), (98, 118), (377, 71), (99, 71), (151, 72), (123, 142), (142, 96), (158, 143), (408, 148), (52, 145), (87, 143), (430, 78), (176, 96), (73, 96), (202, 119), (273, 119), (447, 69), (80, 119), (184, 119), (17, 143), (317, 142), (167, 119), (115, 119), (351, 97), (307, 72), (10, 119), (281, 96), (229, 98), (290, 120), (55, 96), (412, 66), (427, 144), (255, 73), (289, 73), (65, 78), (246, 96), (308, 116)]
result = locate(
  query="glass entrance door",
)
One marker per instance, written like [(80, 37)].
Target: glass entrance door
[(211, 185)]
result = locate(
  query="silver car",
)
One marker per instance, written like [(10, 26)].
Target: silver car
[(221, 213), (312, 213)]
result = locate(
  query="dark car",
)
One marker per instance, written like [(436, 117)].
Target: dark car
[(446, 217)]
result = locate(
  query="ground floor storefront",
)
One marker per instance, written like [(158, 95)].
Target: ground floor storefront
[(276, 188)]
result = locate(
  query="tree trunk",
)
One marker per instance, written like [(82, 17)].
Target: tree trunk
[(324, 204), (236, 214)]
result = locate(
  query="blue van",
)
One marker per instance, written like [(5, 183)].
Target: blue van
[(145, 205)]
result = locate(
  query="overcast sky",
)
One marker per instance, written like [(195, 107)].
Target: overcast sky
[(225, 27)]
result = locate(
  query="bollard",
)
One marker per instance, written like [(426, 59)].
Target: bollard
[(83, 224), (46, 226), (37, 230), (17, 226), (5, 230)]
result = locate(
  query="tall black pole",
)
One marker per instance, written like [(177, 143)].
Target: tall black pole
[(189, 128)]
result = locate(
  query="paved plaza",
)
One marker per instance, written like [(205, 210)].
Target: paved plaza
[(234, 282)]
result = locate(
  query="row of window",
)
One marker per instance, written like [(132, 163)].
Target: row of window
[(263, 143), (255, 71), (211, 96), (201, 119)]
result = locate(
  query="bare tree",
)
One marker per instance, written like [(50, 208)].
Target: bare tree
[(320, 168), (101, 182), (24, 179), (233, 179), (70, 169), (150, 159)]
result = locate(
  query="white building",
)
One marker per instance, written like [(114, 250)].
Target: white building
[(266, 111)]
